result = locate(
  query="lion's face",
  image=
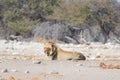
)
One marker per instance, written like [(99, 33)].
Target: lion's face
[(47, 51), (49, 48)]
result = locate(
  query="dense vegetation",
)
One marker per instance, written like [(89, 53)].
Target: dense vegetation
[(22, 15)]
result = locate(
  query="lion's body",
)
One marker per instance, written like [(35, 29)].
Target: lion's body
[(56, 53), (68, 55)]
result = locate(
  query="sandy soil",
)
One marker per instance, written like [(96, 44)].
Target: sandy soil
[(26, 61), (58, 70)]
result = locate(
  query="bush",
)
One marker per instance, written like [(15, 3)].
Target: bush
[(23, 26)]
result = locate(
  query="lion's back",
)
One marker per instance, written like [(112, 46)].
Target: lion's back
[(67, 55)]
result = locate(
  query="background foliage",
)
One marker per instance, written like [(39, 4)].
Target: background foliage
[(22, 15)]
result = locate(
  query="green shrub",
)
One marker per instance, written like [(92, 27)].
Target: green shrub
[(24, 25)]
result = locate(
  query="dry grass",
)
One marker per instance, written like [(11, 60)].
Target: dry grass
[(49, 74), (31, 57), (111, 57), (12, 78), (39, 39), (109, 66)]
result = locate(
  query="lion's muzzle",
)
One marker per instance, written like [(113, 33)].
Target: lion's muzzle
[(47, 51)]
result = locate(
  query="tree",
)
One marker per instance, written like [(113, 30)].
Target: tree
[(107, 16)]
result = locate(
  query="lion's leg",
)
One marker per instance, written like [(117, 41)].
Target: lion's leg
[(54, 57)]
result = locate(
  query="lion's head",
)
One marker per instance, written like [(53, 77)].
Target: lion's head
[(50, 49)]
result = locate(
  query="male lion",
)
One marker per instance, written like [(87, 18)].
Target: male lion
[(56, 53)]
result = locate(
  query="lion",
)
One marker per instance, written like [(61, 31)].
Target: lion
[(55, 53)]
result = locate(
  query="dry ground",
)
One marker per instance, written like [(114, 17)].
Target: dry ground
[(57, 70), (26, 61)]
